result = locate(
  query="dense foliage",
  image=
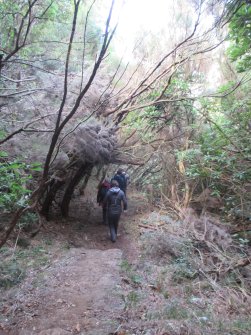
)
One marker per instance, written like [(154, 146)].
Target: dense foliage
[(240, 37), (204, 143)]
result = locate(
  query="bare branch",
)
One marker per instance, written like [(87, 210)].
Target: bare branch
[(13, 223), (18, 81), (67, 64), (24, 128), (135, 92), (106, 42), (22, 93), (83, 55), (19, 45)]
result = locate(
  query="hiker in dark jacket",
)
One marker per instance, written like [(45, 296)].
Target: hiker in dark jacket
[(102, 190), (127, 180), (113, 200), (119, 177)]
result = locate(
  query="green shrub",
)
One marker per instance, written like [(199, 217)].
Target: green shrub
[(10, 274), (14, 176)]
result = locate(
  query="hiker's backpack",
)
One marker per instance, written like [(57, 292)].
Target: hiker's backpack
[(104, 187), (103, 192), (115, 205)]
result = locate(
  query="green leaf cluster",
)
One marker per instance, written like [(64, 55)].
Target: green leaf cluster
[(167, 110), (220, 154), (14, 176), (240, 37)]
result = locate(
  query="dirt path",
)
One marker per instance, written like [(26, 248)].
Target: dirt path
[(80, 291), (149, 282), (80, 294)]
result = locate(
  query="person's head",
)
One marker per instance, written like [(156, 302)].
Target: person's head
[(119, 171), (114, 183)]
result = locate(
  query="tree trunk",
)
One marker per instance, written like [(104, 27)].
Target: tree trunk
[(83, 170), (50, 197), (83, 186)]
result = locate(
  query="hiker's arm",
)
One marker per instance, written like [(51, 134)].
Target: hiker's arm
[(124, 201)]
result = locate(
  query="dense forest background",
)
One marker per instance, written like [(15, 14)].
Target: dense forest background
[(173, 107), (160, 89)]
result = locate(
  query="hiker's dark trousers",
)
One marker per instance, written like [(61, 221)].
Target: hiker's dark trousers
[(113, 221), (104, 215)]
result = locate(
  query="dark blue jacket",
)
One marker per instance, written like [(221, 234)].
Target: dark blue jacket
[(121, 180)]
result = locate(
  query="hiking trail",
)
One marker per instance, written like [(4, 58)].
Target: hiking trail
[(154, 280), (80, 291)]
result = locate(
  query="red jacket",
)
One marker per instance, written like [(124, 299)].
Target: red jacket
[(104, 187)]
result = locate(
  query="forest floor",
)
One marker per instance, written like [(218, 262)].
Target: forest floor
[(71, 279)]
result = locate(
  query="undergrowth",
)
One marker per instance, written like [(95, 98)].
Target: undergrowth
[(16, 261), (189, 285)]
